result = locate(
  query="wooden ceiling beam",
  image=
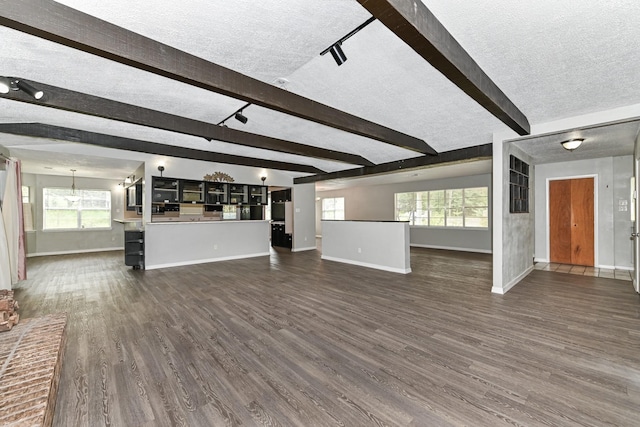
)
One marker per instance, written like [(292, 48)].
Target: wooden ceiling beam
[(40, 130), (461, 155), (77, 102), (62, 24), (414, 24)]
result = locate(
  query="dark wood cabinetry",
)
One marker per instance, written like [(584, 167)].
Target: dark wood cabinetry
[(216, 193), (134, 196), (281, 227), (281, 195), (257, 195), (279, 237), (191, 191), (171, 198), (134, 249), (164, 190), (238, 194)]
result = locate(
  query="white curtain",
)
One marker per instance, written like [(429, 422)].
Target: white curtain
[(5, 264), (13, 222)]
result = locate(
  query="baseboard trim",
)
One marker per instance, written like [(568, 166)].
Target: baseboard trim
[(615, 267), (204, 261), (452, 248), (84, 251), (308, 248), (540, 260), (503, 290), (367, 264)]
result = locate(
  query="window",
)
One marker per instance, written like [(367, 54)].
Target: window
[(27, 213), (86, 209), (333, 208), (25, 194), (518, 185), (460, 207)]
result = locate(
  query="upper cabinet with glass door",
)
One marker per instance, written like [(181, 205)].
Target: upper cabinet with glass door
[(238, 194), (191, 191), (164, 190), (257, 195), (216, 193)]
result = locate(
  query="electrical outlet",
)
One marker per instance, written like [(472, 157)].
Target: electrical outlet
[(215, 247), (305, 238), (359, 250)]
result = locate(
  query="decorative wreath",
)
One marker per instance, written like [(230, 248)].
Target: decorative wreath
[(218, 177)]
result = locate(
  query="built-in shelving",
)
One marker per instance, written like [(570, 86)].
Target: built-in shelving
[(165, 190), (134, 249), (177, 199)]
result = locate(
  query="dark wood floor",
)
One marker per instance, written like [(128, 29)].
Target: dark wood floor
[(293, 340)]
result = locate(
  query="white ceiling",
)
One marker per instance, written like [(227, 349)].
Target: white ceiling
[(552, 59)]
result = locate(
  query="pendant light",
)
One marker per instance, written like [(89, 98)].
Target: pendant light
[(73, 197)]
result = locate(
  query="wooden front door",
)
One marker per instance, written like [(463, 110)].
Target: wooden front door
[(571, 221)]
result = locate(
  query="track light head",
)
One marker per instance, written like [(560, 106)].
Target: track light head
[(338, 54), (26, 87), (5, 85), (241, 118)]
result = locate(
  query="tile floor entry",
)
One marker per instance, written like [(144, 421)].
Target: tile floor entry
[(581, 270)]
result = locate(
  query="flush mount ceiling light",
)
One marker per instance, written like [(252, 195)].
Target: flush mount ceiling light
[(572, 143)]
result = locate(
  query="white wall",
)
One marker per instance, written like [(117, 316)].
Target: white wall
[(41, 242), (304, 235), (175, 244), (613, 247), (376, 203), (517, 228), (374, 244)]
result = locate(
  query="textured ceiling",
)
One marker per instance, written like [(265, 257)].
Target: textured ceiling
[(552, 59), (611, 139)]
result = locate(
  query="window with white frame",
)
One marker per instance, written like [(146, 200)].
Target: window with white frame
[(25, 194), (333, 208), (27, 208), (65, 209), (460, 207)]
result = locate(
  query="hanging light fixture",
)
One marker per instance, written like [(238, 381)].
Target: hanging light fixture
[(73, 197)]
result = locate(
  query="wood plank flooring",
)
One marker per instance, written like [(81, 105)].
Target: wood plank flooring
[(294, 340)]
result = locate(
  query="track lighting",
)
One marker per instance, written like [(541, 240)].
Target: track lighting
[(338, 54), (26, 87), (7, 84), (336, 48), (238, 116), (241, 118)]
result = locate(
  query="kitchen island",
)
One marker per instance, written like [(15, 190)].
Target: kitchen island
[(171, 244)]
